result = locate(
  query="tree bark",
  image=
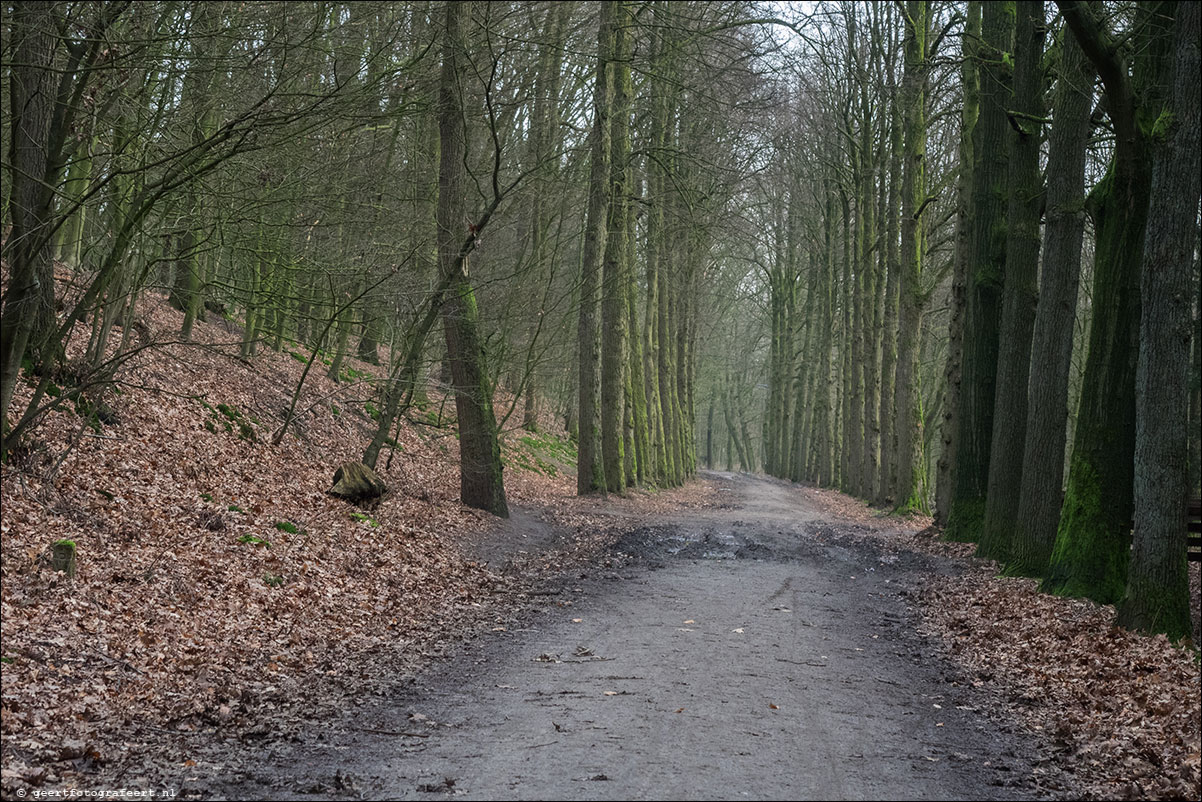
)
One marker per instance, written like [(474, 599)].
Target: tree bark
[(1093, 538), (911, 460), (1042, 489), (27, 247), (590, 475), (614, 356), (1021, 286), (1157, 594), (986, 249), (481, 482), (949, 431)]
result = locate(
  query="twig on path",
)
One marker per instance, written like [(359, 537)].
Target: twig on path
[(392, 732)]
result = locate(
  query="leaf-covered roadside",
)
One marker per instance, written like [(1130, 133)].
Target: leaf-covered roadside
[(1119, 711), (220, 589)]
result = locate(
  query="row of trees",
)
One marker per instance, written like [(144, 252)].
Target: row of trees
[(326, 172), (941, 255), (948, 195)]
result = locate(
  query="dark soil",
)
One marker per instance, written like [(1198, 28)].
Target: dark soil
[(751, 650)]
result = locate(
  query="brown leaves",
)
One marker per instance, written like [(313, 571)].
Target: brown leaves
[(181, 621), (1122, 708)]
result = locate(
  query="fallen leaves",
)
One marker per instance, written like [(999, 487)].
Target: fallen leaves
[(1122, 708), (194, 609)]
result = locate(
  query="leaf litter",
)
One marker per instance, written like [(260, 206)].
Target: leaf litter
[(196, 624), (1120, 711)]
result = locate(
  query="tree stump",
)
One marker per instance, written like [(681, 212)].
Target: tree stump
[(356, 482), (63, 557)]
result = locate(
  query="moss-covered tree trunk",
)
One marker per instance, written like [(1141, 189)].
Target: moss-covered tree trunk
[(1093, 538), (1019, 295), (614, 356), (825, 412), (637, 396), (71, 234), (950, 427), (187, 292), (656, 188), (590, 475), (986, 248), (886, 484), (26, 249), (1042, 488), (867, 272), (911, 461), (845, 375), (1157, 596), (480, 473)]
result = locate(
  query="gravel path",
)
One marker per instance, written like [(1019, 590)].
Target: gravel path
[(750, 652)]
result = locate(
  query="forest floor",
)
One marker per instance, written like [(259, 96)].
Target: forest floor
[(235, 632)]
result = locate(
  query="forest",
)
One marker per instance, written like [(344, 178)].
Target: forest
[(940, 257)]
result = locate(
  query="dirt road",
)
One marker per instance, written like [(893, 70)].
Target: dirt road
[(749, 652)]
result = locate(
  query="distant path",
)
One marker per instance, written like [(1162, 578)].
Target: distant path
[(738, 656)]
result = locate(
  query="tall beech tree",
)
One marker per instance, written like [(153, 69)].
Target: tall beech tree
[(970, 88), (614, 279), (1041, 492), (481, 482), (986, 249), (590, 475), (1025, 189), (1093, 537), (910, 461), (1157, 593)]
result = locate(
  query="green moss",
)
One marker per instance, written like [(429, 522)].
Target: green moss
[(916, 504), (372, 411), (234, 508), (287, 526), (273, 580), (254, 541), (229, 417), (352, 374), (65, 543), (206, 496), (964, 523), (358, 516), (335, 411), (1090, 556), (1162, 126)]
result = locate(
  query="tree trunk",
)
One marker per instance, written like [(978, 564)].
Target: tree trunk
[(27, 247), (614, 356), (1021, 287), (480, 474), (911, 460), (1041, 493), (949, 431), (590, 475), (1157, 598), (986, 248), (1093, 538)]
